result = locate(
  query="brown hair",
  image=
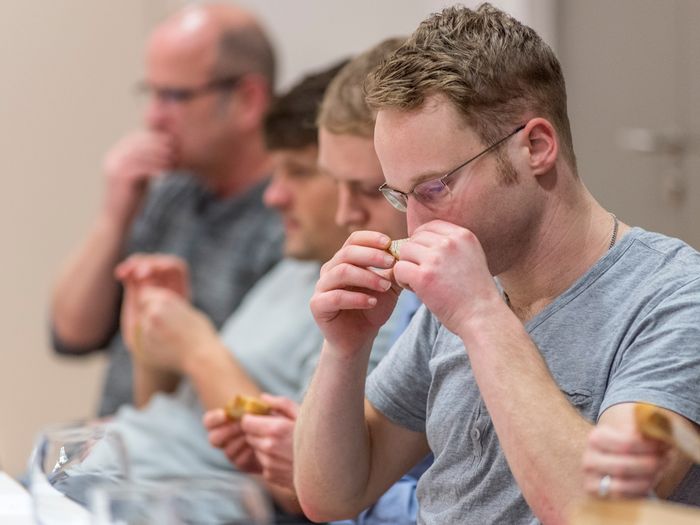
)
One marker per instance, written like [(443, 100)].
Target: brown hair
[(344, 110), (495, 70), (291, 120)]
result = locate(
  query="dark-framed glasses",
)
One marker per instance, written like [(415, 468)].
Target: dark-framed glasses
[(434, 190), (183, 95)]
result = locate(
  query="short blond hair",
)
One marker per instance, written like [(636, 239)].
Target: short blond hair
[(495, 70), (344, 110)]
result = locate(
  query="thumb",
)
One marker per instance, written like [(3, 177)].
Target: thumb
[(214, 418), (282, 405)]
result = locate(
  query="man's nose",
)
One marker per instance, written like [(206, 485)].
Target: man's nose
[(350, 212), (156, 114), (278, 194)]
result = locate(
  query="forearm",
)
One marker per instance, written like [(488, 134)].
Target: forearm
[(149, 381), (86, 294), (217, 376), (285, 498), (541, 433), (331, 446)]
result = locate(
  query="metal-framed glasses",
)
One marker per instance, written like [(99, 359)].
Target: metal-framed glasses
[(433, 190), (183, 95)]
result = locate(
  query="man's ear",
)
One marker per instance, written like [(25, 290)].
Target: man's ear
[(252, 102), (542, 144)]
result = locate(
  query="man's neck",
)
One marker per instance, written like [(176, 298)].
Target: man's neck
[(238, 171), (571, 240)]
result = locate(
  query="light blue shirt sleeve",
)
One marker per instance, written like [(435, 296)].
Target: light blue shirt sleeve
[(398, 505)]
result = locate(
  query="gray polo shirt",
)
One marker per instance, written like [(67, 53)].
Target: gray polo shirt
[(628, 330)]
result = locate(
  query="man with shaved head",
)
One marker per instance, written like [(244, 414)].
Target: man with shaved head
[(189, 183)]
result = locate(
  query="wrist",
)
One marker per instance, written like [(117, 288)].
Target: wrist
[(492, 316), (110, 222), (203, 357)]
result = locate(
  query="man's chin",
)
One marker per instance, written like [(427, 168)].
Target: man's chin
[(298, 251)]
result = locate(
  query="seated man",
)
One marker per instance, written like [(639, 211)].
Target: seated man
[(503, 386), (190, 184), (270, 344), (346, 154)]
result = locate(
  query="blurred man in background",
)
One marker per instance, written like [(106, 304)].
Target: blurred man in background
[(346, 156), (190, 183), (269, 344)]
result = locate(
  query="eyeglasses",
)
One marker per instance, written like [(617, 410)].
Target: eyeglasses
[(434, 190), (183, 95)]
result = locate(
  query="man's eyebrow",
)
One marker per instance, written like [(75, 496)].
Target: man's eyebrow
[(418, 179)]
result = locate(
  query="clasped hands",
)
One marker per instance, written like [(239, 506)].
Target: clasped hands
[(159, 326)]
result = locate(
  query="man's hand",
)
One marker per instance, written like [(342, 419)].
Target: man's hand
[(142, 270), (160, 270), (355, 294), (230, 438), (632, 464), (445, 266), (171, 330), (130, 165), (272, 439)]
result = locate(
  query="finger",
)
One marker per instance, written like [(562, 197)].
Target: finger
[(246, 460), (417, 252), (606, 438), (254, 425), (153, 295), (620, 488), (367, 238), (128, 265), (262, 446), (214, 418), (266, 426), (236, 447), (350, 276), (621, 465), (224, 434), (282, 405), (361, 256), (328, 304)]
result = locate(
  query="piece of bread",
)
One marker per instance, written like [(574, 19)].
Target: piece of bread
[(395, 248), (653, 423), (670, 428), (237, 407)]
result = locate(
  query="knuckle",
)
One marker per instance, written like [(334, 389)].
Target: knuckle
[(342, 271)]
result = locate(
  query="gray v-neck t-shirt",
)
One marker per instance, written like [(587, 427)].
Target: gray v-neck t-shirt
[(628, 330)]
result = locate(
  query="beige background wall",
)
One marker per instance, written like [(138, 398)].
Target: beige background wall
[(67, 68), (65, 71)]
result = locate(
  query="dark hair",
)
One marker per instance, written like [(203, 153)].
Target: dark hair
[(291, 120)]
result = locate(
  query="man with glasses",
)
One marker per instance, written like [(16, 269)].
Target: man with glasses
[(502, 382), (190, 183), (347, 158)]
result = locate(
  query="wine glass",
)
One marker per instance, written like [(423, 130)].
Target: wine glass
[(66, 462), (130, 504), (215, 499)]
